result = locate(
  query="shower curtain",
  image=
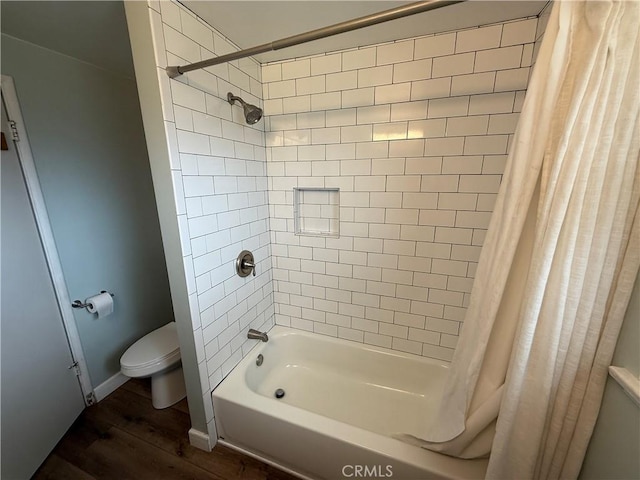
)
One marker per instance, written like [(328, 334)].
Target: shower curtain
[(560, 258)]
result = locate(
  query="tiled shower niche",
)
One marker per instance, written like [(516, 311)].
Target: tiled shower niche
[(316, 211)]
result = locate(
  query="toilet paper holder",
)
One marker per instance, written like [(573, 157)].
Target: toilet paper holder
[(79, 304)]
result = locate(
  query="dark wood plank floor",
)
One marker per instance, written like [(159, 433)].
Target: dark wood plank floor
[(124, 437)]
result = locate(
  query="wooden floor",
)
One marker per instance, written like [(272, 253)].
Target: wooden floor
[(124, 437)]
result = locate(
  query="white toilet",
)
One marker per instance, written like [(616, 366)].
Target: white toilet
[(157, 355)]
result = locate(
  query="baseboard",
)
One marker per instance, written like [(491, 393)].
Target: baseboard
[(199, 440), (109, 386)]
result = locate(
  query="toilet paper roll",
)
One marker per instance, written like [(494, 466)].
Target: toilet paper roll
[(101, 304)]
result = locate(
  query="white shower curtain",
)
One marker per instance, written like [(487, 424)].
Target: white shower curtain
[(560, 258)]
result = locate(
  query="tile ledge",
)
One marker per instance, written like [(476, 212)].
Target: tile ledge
[(629, 383)]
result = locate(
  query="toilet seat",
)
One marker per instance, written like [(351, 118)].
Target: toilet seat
[(153, 353)]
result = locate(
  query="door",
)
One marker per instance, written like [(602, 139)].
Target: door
[(40, 392)]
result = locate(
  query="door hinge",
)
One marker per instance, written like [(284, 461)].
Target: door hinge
[(76, 367), (14, 131), (90, 399)]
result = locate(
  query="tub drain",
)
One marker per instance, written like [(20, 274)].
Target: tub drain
[(279, 393)]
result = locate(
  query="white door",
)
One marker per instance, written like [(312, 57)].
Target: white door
[(40, 393)]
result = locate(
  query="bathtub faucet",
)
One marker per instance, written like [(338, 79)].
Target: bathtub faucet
[(256, 335)]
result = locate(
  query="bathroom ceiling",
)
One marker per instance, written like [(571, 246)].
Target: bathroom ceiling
[(250, 23), (58, 24), (94, 32)]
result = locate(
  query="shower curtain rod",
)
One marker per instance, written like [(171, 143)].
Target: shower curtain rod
[(349, 25)]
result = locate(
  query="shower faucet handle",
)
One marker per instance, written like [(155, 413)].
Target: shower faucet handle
[(245, 264), (250, 265)]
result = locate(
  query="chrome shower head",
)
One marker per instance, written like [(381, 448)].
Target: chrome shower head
[(251, 113)]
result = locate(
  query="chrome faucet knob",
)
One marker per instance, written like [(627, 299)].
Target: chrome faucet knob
[(251, 265), (245, 264)]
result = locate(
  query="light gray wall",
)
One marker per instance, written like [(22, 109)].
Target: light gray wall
[(614, 447), (627, 352), (86, 134)]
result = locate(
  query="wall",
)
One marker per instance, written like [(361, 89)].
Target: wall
[(218, 170), (415, 134), (86, 135), (543, 20), (614, 446)]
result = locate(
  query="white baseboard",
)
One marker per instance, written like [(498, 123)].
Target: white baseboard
[(199, 440), (109, 386)]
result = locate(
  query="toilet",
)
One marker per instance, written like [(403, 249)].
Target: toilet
[(157, 355)]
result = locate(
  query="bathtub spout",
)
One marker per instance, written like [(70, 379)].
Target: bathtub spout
[(256, 335)]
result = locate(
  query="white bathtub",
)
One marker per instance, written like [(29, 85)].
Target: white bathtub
[(343, 401)]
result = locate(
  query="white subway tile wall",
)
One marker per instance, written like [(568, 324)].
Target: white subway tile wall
[(220, 184), (415, 134)]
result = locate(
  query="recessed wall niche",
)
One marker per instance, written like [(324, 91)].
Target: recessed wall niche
[(316, 211)]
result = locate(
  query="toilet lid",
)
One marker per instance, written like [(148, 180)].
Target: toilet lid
[(152, 348)]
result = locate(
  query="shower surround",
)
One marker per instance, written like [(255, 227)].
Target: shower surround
[(415, 135)]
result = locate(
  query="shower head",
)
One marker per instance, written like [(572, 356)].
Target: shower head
[(251, 113)]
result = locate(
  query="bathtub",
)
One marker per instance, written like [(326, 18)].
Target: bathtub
[(342, 403)]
